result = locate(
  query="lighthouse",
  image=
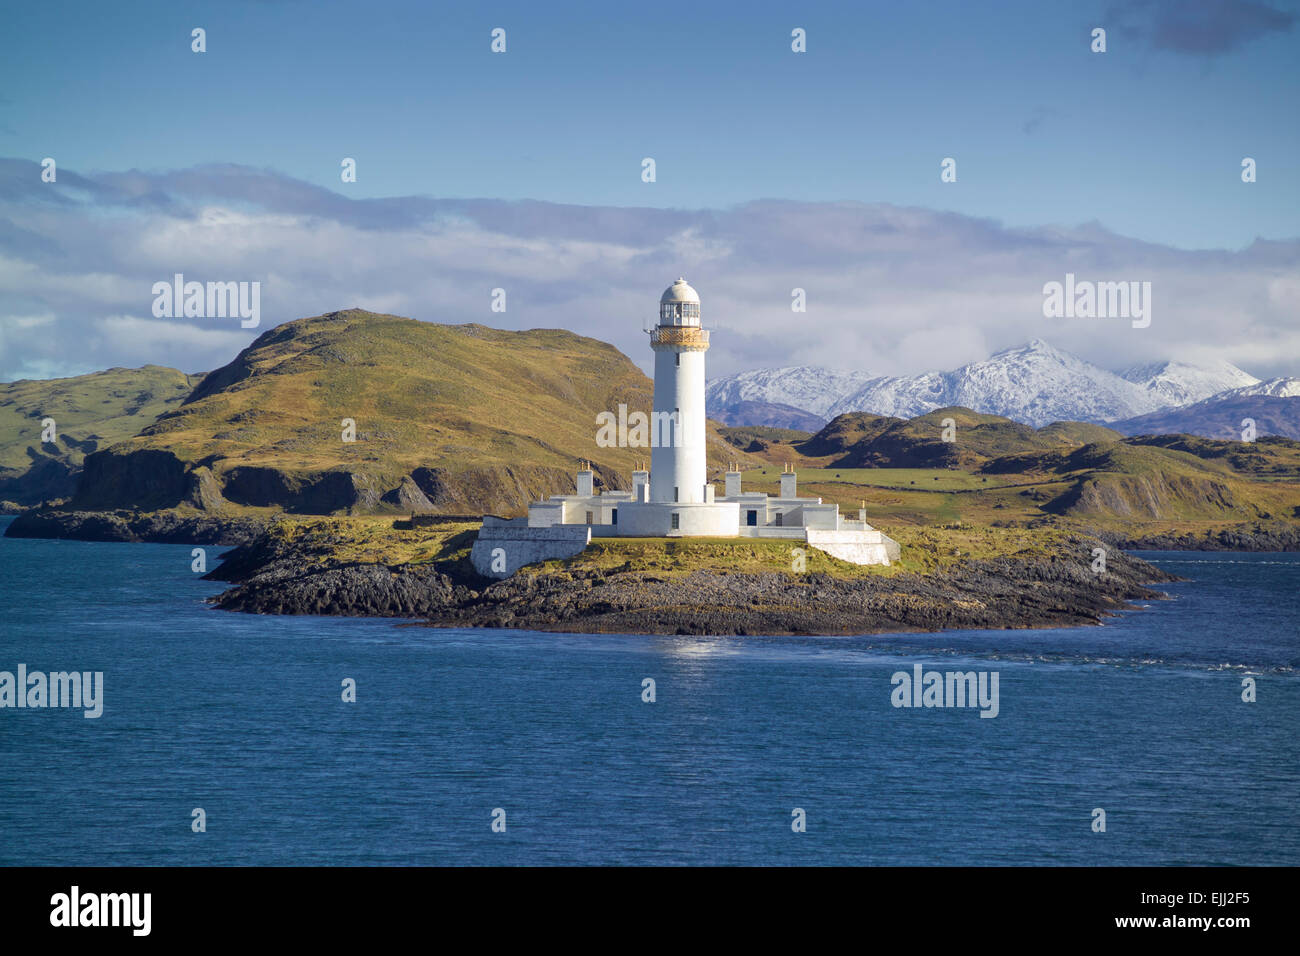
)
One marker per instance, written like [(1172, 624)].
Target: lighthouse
[(678, 469), (676, 498)]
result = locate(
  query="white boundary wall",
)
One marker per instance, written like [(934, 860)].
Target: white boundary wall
[(860, 547), (513, 546)]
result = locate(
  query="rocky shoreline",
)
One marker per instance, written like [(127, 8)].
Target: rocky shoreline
[(1273, 536), (274, 578)]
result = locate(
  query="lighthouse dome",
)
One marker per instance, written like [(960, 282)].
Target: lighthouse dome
[(679, 291), (679, 305)]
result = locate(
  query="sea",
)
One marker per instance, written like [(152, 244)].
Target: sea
[(1170, 735)]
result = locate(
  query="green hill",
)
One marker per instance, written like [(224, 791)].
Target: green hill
[(1268, 457), (759, 438), (861, 440), (448, 419), (1169, 478), (1077, 433), (846, 432), (90, 412)]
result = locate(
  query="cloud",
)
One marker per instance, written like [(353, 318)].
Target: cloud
[(890, 289), (1200, 27)]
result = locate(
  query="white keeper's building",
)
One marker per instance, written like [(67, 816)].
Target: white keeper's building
[(675, 498)]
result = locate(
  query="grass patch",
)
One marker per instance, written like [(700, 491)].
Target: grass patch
[(373, 539)]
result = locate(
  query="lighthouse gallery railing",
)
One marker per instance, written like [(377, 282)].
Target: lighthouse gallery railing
[(679, 335)]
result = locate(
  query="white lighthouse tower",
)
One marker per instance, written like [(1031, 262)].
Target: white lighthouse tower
[(678, 468), (676, 498)]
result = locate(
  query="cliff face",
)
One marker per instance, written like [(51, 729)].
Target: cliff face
[(144, 478), (358, 412), (1150, 496)]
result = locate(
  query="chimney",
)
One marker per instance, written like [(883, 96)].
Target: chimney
[(640, 483), (709, 492), (788, 483), (586, 481), (732, 486)]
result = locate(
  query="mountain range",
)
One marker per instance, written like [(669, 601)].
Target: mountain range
[(466, 419), (1035, 384)]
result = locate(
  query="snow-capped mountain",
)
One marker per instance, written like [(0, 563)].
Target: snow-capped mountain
[(808, 387), (1035, 384), (1285, 387), (1178, 383)]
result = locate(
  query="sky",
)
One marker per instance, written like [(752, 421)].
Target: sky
[(774, 170)]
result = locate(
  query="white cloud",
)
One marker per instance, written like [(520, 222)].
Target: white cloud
[(891, 290), (176, 334)]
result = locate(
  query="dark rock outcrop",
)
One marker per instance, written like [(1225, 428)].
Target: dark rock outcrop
[(408, 497), (204, 491), (321, 493), (147, 479), (167, 527)]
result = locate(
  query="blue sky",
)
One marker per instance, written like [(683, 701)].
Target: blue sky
[(775, 171), (1145, 139)]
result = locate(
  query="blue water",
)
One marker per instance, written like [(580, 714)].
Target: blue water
[(242, 716)]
